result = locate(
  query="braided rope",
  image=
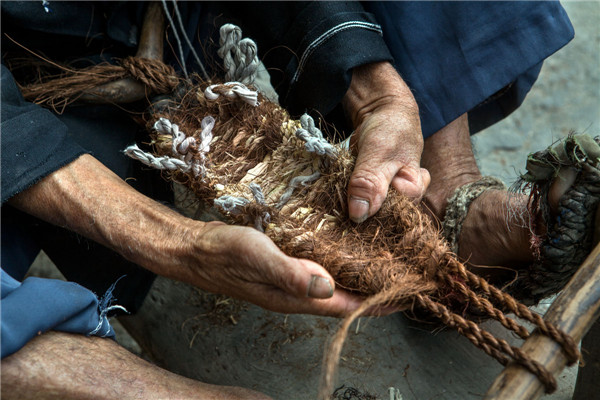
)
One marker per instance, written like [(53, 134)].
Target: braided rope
[(236, 204), (522, 311), (485, 305), (186, 147), (247, 57), (493, 346), (60, 92), (257, 193), (163, 163), (567, 343), (156, 75), (259, 197), (313, 138), (231, 204), (206, 136), (230, 35), (239, 55)]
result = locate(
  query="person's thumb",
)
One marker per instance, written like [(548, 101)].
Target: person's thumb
[(305, 278), (368, 186), (412, 181)]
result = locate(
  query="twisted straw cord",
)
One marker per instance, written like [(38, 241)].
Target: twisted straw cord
[(313, 138), (165, 162), (229, 37), (489, 350), (62, 91), (232, 90)]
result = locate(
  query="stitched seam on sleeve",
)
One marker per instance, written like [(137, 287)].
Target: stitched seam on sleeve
[(325, 36)]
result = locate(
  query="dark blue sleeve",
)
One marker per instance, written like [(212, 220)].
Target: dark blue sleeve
[(34, 141), (310, 48), (470, 56)]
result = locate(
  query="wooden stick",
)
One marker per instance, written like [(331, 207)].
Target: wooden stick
[(574, 311), (128, 90)]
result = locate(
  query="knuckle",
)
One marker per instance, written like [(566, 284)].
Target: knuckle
[(366, 182)]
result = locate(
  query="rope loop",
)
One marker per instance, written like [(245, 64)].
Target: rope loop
[(231, 204), (186, 147)]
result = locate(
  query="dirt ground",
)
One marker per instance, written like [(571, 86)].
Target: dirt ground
[(566, 97)]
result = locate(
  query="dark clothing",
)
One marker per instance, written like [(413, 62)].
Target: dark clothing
[(456, 57), (34, 141), (310, 48)]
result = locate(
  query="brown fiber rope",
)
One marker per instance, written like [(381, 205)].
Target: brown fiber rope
[(522, 311), (59, 92), (483, 339), (510, 303), (159, 77), (485, 305)]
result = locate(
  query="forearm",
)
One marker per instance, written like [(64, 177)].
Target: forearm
[(87, 198)]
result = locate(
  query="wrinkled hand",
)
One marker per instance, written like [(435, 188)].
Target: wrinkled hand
[(387, 138), (85, 196), (244, 263)]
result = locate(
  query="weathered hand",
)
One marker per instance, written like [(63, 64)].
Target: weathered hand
[(244, 263), (86, 197), (387, 138)]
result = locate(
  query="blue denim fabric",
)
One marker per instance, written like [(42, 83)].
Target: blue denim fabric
[(38, 305)]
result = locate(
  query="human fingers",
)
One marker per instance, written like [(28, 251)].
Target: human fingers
[(301, 278), (298, 277), (385, 156), (387, 138), (250, 261), (300, 292), (412, 182), (340, 304)]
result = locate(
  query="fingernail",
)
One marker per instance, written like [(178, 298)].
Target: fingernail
[(358, 209), (319, 288)]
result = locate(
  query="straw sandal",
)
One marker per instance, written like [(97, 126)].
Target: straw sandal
[(570, 231)]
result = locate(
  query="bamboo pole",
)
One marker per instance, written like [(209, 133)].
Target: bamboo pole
[(574, 311)]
